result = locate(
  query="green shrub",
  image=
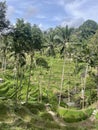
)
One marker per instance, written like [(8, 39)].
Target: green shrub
[(52, 125), (54, 103), (45, 99), (42, 62), (4, 126), (62, 104), (35, 108), (4, 110), (46, 116), (74, 116), (22, 112)]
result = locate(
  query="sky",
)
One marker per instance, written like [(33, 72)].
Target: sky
[(52, 13)]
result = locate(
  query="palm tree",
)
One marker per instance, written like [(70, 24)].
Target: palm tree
[(65, 37), (49, 42), (20, 38), (34, 44)]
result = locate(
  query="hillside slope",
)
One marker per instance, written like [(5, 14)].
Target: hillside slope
[(35, 117)]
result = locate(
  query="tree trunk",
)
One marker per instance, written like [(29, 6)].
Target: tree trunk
[(40, 86), (17, 78), (84, 85), (85, 76), (4, 60), (5, 63), (49, 80), (40, 91), (68, 94), (97, 84), (20, 85), (62, 79), (28, 87)]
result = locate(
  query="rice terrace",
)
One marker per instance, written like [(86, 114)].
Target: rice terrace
[(48, 65)]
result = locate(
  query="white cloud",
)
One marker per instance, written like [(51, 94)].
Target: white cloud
[(41, 26), (90, 12), (78, 11), (72, 7), (41, 16), (29, 12), (10, 11), (64, 2), (73, 22), (57, 18), (71, 12)]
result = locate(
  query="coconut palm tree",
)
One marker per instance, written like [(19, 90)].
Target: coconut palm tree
[(65, 38)]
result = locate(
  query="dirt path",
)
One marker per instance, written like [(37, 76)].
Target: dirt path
[(93, 116), (88, 122), (56, 119)]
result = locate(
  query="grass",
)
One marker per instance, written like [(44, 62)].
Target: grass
[(70, 115), (25, 117), (46, 116), (33, 114), (49, 81)]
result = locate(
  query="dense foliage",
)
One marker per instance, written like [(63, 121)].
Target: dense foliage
[(58, 66)]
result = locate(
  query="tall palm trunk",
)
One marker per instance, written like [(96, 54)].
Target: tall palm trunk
[(4, 58), (86, 71), (97, 81), (17, 77), (40, 89), (4, 61), (62, 77), (76, 66), (68, 88), (27, 92), (49, 80), (84, 85), (21, 80)]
